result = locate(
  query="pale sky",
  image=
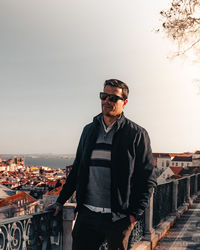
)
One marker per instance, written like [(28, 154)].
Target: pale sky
[(56, 55)]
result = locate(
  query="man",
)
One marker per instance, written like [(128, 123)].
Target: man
[(113, 175)]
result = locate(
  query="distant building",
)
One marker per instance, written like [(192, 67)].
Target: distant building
[(5, 192), (182, 161), (18, 204), (196, 158), (11, 166), (175, 161), (161, 161), (176, 170), (34, 169), (168, 174), (50, 197), (19, 161), (3, 166)]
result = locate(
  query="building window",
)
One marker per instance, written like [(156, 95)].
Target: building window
[(162, 163), (176, 163), (182, 164)]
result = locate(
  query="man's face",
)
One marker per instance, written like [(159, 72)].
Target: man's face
[(109, 108)]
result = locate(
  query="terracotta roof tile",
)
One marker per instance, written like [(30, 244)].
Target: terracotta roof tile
[(176, 170), (15, 198), (182, 158), (54, 191)]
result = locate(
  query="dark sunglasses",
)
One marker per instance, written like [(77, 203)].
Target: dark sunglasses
[(111, 98)]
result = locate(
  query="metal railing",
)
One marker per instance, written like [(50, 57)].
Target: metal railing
[(37, 231), (198, 182), (182, 194), (192, 185), (162, 202), (138, 231)]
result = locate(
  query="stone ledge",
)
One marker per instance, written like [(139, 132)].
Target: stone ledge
[(144, 245), (161, 230)]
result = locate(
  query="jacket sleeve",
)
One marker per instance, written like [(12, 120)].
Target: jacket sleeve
[(70, 186), (144, 179)]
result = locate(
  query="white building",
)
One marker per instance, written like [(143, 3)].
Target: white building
[(162, 161), (168, 173), (165, 175), (196, 158), (182, 161)]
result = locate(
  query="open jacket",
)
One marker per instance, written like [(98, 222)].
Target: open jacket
[(132, 169)]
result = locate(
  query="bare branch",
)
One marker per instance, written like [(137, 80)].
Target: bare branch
[(181, 23)]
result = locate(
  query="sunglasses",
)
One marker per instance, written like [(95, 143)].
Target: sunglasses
[(111, 98)]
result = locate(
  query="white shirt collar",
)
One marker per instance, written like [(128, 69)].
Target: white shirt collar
[(109, 127)]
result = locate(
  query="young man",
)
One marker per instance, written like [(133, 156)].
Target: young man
[(112, 174)]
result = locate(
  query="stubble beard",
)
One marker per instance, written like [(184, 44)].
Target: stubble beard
[(107, 110), (110, 112)]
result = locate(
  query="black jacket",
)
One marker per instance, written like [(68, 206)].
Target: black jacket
[(132, 169)]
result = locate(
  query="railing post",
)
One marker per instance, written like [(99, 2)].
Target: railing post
[(196, 184), (68, 217), (175, 196), (149, 231), (188, 198)]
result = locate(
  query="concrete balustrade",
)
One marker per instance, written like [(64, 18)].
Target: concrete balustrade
[(68, 219), (149, 230), (175, 197), (153, 235)]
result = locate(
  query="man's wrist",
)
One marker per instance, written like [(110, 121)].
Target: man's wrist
[(132, 219)]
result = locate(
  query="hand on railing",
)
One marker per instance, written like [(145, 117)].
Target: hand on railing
[(132, 220), (55, 206)]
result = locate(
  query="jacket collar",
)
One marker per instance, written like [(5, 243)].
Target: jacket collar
[(120, 122)]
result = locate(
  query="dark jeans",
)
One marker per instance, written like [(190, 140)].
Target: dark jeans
[(91, 229)]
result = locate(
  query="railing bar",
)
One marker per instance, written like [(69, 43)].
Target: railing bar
[(23, 217)]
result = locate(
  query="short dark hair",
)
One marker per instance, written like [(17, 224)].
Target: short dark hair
[(118, 84)]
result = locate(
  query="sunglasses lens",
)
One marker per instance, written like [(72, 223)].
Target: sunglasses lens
[(113, 98), (103, 96)]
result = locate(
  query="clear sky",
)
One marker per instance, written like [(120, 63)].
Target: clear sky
[(56, 55)]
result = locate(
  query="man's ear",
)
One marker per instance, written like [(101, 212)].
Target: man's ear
[(125, 102)]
